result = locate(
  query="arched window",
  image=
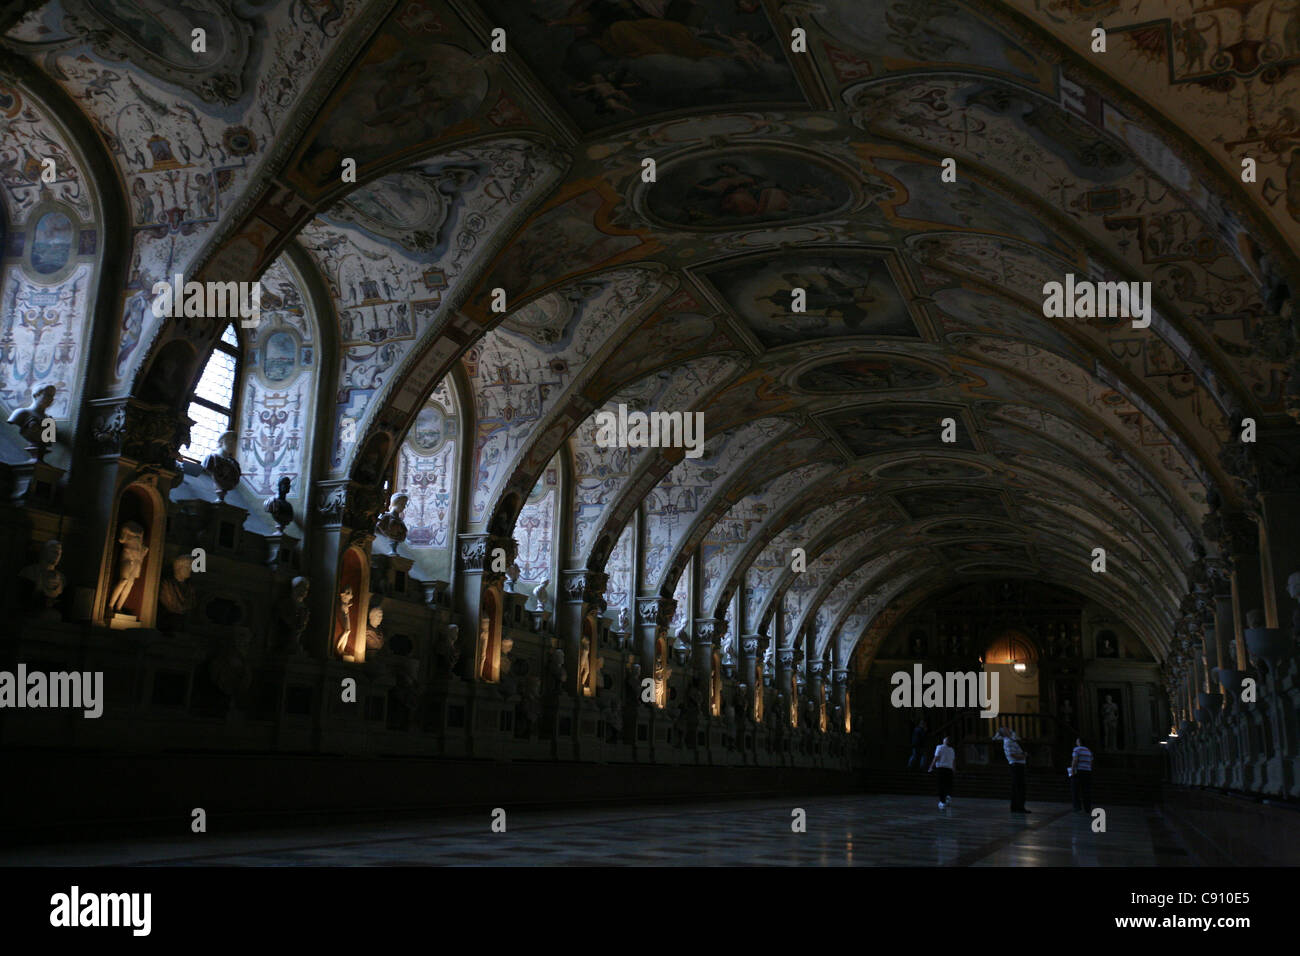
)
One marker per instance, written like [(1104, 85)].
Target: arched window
[(213, 406)]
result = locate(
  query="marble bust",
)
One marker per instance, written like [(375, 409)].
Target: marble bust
[(294, 614), (391, 523), (374, 629), (45, 580), (222, 466), (176, 593), (30, 420), (278, 506)]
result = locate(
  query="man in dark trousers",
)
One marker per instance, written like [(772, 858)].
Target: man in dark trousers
[(1081, 776), (1015, 755), (917, 759)]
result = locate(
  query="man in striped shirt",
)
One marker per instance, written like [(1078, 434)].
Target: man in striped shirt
[(1015, 755), (1081, 776)]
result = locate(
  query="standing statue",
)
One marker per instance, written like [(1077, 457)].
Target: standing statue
[(539, 596), (374, 629), (391, 524), (43, 578), (343, 625), (176, 593), (30, 421), (278, 506), (512, 576), (481, 655), (130, 563), (1110, 723), (222, 466), (294, 615), (584, 667), (625, 620)]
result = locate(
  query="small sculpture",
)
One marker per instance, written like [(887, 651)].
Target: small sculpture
[(559, 674), (506, 680), (1110, 723), (625, 620), (633, 683), (222, 466), (176, 593), (530, 706), (278, 506), (343, 625), (448, 649), (390, 523), (512, 576), (45, 580), (612, 713), (294, 615), (539, 596), (130, 563), (30, 421), (374, 629)]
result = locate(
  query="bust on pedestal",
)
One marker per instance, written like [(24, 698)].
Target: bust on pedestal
[(222, 466), (278, 506), (30, 421), (391, 524)]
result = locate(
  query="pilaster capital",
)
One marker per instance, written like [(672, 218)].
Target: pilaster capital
[(476, 553), (583, 586), (655, 611), (345, 503), (710, 630)]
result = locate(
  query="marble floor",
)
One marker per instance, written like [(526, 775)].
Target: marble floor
[(865, 830)]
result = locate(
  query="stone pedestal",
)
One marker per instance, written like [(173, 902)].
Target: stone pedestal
[(37, 485)]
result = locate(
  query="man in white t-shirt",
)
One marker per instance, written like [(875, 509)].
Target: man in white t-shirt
[(944, 763), (1016, 758)]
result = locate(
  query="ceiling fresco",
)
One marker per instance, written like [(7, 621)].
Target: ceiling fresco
[(793, 264)]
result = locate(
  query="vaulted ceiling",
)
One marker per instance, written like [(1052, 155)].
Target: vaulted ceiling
[(817, 168)]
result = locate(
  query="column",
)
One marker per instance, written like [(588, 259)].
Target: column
[(579, 600), (652, 617), (482, 560)]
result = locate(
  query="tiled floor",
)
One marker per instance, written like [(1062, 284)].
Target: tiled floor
[(868, 830)]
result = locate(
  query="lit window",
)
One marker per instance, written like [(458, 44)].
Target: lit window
[(212, 407)]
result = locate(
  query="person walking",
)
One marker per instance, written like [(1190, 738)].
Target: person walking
[(1015, 755), (917, 759), (1081, 777), (944, 763)]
